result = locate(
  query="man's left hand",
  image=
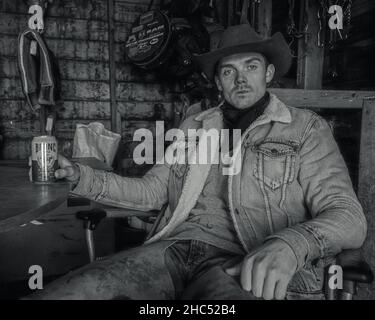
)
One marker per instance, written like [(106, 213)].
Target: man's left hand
[(267, 271)]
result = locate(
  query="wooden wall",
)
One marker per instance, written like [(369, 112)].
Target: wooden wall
[(77, 33)]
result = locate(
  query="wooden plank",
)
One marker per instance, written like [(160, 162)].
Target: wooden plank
[(88, 110), (70, 89), (16, 110), (79, 50), (143, 92), (21, 202), (122, 30), (69, 69), (62, 48), (58, 28), (336, 99), (8, 67), (10, 88), (26, 129), (310, 56), (8, 45), (128, 12), (84, 70), (140, 110), (20, 129), (64, 129), (366, 187), (88, 10)]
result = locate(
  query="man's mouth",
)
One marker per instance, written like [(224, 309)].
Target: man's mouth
[(242, 91)]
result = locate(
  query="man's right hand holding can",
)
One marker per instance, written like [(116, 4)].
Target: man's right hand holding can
[(67, 169)]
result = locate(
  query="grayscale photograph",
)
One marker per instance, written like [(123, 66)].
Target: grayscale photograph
[(209, 151)]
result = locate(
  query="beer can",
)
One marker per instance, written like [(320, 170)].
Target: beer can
[(44, 159)]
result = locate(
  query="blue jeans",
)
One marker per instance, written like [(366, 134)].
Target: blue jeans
[(162, 270)]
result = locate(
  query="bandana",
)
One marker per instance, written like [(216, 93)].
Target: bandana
[(235, 118)]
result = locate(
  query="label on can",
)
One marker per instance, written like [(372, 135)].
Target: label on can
[(44, 159)]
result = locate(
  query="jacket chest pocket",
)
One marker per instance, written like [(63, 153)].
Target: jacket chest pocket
[(275, 163)]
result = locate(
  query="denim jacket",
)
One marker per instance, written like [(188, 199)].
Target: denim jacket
[(293, 186)]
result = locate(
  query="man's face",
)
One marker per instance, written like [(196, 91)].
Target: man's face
[(242, 78)]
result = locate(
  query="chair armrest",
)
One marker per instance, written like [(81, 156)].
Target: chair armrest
[(354, 266), (93, 217)]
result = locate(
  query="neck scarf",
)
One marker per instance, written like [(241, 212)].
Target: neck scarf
[(242, 118)]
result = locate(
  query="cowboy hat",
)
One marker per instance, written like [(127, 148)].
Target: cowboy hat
[(243, 38)]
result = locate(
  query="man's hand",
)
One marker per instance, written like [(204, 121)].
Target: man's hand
[(267, 271), (67, 169)]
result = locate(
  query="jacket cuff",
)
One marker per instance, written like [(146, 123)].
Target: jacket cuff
[(84, 187), (302, 242)]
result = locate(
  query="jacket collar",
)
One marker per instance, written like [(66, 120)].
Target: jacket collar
[(275, 111)]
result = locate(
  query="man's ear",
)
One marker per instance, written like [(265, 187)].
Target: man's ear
[(270, 73), (218, 83)]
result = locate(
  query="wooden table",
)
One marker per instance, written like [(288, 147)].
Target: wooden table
[(22, 201)]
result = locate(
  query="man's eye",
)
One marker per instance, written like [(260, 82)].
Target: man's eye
[(227, 72), (252, 67)]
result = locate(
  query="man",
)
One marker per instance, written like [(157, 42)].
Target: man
[(265, 232)]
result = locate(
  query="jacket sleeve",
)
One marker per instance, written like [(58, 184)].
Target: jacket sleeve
[(147, 193), (337, 220)]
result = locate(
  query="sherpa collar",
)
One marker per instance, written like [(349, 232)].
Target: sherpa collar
[(275, 111)]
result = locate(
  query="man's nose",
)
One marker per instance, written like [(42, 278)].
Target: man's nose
[(240, 78)]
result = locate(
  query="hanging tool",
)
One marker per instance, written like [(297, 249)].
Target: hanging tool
[(292, 30)]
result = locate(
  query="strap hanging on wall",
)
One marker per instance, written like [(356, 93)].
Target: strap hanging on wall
[(38, 67)]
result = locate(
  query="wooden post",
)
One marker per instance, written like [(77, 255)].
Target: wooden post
[(366, 187), (265, 18), (230, 12), (310, 56), (115, 126)]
